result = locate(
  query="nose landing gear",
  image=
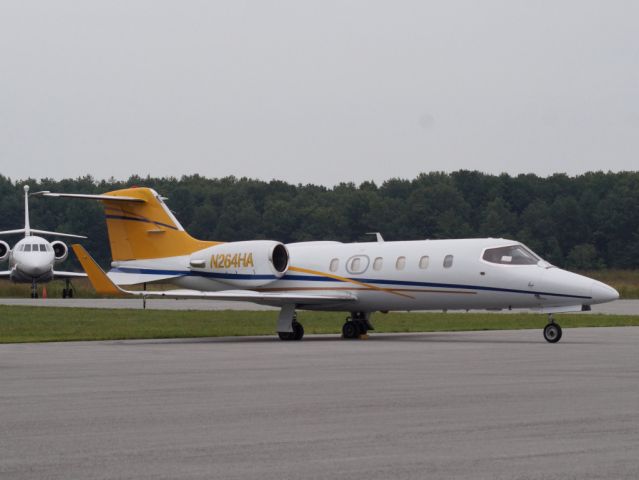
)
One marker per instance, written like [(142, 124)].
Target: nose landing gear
[(552, 331)]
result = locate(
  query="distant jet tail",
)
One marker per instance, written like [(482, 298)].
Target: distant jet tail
[(27, 230), (27, 227), (141, 226)]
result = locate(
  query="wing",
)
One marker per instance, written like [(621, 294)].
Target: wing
[(59, 274), (126, 278), (265, 298), (103, 284)]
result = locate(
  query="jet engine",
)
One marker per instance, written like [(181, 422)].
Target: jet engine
[(4, 251), (60, 250), (244, 264)]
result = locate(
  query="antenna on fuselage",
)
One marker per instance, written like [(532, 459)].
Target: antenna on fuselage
[(378, 235)]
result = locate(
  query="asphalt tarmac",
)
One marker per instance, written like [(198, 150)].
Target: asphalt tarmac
[(618, 307), (480, 405)]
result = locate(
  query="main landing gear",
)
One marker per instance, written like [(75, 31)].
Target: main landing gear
[(67, 291), (296, 334), (356, 325), (552, 331), (288, 328)]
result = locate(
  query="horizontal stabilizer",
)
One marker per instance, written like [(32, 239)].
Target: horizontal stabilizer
[(41, 232), (111, 198), (11, 232), (57, 234)]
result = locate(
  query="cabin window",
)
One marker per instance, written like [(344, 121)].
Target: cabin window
[(510, 255), (448, 261), (334, 265), (27, 247), (423, 262), (357, 264), (400, 263), (43, 248), (378, 264)]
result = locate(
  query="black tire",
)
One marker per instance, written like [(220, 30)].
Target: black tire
[(363, 327), (64, 293), (286, 336), (70, 294), (298, 331), (552, 333), (350, 330)]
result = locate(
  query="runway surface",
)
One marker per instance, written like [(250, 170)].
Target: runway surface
[(480, 405), (618, 307)]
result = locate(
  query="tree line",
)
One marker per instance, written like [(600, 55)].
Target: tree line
[(589, 221)]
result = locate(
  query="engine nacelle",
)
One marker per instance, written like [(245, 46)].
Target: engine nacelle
[(5, 249), (244, 264), (60, 250)]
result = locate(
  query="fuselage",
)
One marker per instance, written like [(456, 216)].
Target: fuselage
[(482, 273), (32, 259)]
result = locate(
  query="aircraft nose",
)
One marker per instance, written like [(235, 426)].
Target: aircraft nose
[(602, 293)]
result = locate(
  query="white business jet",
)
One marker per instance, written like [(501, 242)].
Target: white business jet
[(31, 259), (148, 244)]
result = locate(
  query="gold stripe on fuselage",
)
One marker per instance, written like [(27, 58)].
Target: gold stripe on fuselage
[(367, 286)]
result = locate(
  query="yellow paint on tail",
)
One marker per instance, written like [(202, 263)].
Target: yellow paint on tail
[(143, 230), (100, 281)]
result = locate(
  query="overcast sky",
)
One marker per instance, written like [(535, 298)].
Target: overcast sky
[(317, 91)]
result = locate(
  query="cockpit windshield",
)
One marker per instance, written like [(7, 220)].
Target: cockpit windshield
[(511, 255)]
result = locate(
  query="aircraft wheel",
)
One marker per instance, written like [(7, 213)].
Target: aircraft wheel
[(552, 333), (296, 334), (70, 293), (286, 335), (351, 329), (298, 331), (64, 293)]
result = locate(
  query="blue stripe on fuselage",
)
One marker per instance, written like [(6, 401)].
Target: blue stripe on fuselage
[(308, 278)]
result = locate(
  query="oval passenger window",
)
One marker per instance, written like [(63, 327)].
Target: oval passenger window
[(334, 265), (448, 261), (357, 264)]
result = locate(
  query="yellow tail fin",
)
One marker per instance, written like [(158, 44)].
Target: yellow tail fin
[(145, 228), (101, 283)]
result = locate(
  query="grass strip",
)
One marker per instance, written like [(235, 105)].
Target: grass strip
[(37, 324)]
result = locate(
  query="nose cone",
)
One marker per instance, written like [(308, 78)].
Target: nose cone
[(602, 293), (34, 265)]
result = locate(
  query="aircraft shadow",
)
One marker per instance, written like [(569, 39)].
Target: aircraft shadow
[(438, 337)]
